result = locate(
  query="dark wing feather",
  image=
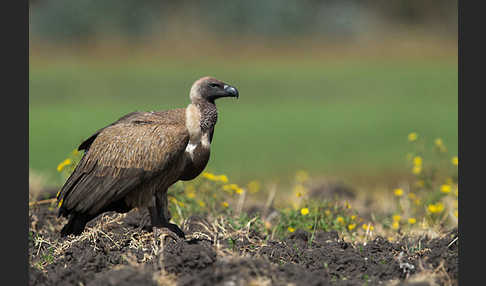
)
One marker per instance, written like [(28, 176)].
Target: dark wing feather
[(121, 157)]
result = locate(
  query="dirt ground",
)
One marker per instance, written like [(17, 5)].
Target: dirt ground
[(116, 250)]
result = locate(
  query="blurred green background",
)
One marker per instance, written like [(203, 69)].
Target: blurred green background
[(331, 87)]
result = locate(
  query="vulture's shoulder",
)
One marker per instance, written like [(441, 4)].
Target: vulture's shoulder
[(173, 117), (145, 140)]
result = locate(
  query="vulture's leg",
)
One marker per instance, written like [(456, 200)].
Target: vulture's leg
[(160, 214)]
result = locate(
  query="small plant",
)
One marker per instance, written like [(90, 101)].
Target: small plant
[(431, 197), (67, 166), (208, 194), (318, 215)]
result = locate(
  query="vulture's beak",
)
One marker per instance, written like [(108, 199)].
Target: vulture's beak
[(231, 91)]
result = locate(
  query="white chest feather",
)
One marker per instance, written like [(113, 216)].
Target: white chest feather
[(204, 142)]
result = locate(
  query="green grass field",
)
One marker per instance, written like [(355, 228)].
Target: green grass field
[(329, 118)]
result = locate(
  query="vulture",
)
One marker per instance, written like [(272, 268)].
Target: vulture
[(132, 162)]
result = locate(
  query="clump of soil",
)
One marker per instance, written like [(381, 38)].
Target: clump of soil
[(116, 249)]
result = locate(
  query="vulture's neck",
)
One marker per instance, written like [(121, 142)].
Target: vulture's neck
[(201, 117), (209, 115)]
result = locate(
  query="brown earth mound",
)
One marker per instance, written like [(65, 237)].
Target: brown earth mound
[(116, 250)]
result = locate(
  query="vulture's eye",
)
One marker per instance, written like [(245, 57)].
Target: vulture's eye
[(213, 85)]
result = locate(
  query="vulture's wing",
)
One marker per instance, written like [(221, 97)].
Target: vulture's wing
[(121, 157)]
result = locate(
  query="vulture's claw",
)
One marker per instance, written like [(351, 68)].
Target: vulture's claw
[(162, 232), (174, 228)]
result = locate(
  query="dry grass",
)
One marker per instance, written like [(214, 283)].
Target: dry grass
[(401, 46), (435, 277), (37, 183)]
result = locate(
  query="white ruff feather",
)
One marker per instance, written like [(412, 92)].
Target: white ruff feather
[(193, 122)]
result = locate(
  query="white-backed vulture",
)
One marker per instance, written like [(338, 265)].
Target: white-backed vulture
[(132, 162)]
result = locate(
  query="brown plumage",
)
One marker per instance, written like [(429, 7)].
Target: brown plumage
[(133, 161)]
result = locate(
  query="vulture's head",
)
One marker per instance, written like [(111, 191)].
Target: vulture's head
[(210, 89)]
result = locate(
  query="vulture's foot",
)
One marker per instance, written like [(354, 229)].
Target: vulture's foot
[(175, 229), (161, 218), (162, 232)]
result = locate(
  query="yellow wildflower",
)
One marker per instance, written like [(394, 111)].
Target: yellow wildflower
[(417, 170), (301, 176), (191, 195), (351, 226), (228, 188), (327, 212), (412, 136), (348, 205), (366, 226), (435, 208), (396, 225), (215, 178), (398, 192), (225, 204), (299, 190), (222, 178), (417, 201), (412, 220), (304, 211), (455, 161), (63, 164), (291, 229), (445, 188), (340, 219), (439, 144), (432, 208), (201, 203), (353, 217), (233, 187), (254, 186), (456, 213), (412, 196), (209, 176), (181, 204), (417, 161), (397, 217)]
